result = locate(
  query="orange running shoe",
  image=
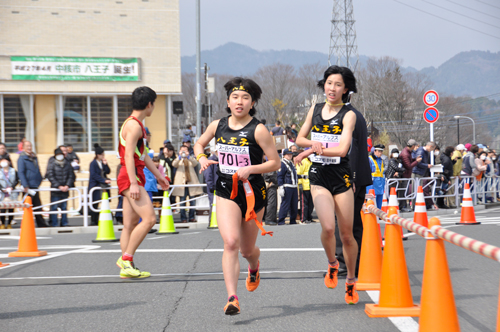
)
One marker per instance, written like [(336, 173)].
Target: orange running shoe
[(351, 295), (232, 307), (331, 276), (253, 280)]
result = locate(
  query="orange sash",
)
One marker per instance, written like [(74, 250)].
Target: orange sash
[(250, 196)]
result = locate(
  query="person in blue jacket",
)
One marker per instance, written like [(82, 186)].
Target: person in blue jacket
[(377, 167), (287, 188), (98, 170), (28, 170)]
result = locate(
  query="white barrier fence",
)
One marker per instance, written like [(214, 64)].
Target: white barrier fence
[(488, 188)]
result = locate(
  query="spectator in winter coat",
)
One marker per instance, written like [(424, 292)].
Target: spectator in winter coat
[(395, 170), (447, 163), (186, 174), (31, 178), (408, 163), (422, 170), (98, 170), (188, 134), (8, 181), (457, 158), (62, 177), (73, 157)]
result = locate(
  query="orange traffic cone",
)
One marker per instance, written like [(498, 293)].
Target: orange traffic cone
[(370, 262), (439, 312), (468, 216), (372, 192), (395, 292), (385, 207), (420, 215), (27, 242), (393, 201)]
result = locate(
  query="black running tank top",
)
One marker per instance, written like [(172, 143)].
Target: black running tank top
[(237, 148), (328, 133)]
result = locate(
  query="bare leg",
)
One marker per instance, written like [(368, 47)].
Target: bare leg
[(248, 237), (325, 208), (130, 221), (345, 218), (229, 221), (136, 233)]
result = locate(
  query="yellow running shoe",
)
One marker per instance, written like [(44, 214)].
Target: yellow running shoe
[(232, 307), (351, 295), (253, 280), (119, 262), (125, 275), (331, 276), (128, 267)]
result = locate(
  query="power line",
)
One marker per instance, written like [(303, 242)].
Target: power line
[(474, 10), (444, 19), (430, 3), (488, 4)]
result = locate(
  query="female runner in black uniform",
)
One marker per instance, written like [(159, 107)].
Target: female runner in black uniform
[(241, 142), (331, 125)]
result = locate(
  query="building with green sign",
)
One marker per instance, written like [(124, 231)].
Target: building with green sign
[(67, 69)]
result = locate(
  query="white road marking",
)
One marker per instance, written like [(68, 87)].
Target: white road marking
[(16, 237), (160, 275), (105, 251), (404, 324), (51, 255)]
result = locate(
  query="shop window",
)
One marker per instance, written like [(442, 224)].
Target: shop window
[(16, 112), (75, 123), (101, 113)]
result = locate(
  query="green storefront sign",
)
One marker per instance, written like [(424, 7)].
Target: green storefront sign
[(74, 69)]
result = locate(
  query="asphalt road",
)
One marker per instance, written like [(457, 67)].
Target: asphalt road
[(77, 288)]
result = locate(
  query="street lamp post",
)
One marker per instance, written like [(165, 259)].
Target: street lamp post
[(473, 126)]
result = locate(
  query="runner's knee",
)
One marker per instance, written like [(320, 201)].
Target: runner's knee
[(246, 253), (348, 240), (231, 244), (329, 232)]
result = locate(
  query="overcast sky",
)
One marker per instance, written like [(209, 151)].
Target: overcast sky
[(384, 27)]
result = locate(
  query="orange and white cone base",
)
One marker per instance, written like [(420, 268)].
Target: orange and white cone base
[(468, 217)]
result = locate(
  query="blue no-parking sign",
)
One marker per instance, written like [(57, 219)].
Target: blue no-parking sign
[(431, 114)]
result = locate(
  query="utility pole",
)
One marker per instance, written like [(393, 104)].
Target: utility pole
[(343, 47), (198, 64), (458, 131), (207, 101)]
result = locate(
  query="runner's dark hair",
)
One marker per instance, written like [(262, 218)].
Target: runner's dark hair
[(250, 86), (141, 97), (347, 77)]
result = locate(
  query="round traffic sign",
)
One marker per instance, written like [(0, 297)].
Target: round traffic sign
[(431, 114), (431, 98)]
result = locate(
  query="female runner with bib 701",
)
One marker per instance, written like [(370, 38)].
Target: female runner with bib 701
[(241, 141)]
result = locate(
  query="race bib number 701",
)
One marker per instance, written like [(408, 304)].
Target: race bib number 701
[(232, 157)]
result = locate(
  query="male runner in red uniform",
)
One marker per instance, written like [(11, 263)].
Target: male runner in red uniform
[(136, 203)]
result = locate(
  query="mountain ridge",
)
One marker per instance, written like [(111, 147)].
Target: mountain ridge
[(470, 73)]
